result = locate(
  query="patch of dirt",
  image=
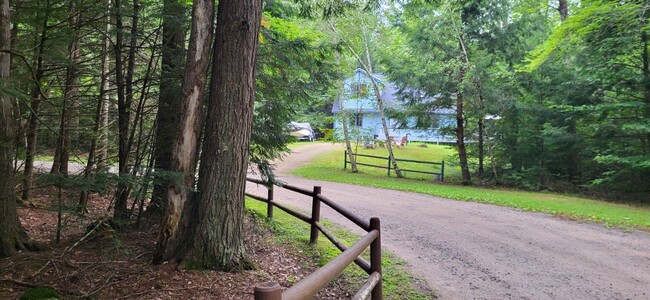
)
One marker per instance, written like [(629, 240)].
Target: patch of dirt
[(110, 265)]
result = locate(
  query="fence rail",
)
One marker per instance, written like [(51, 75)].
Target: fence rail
[(388, 166), (313, 283)]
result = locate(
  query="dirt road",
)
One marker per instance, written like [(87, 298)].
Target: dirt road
[(475, 251)]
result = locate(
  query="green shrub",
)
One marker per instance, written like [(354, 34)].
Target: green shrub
[(328, 134), (40, 293)]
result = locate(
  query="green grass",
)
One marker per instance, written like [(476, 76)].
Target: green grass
[(329, 167), (288, 229), (414, 151)]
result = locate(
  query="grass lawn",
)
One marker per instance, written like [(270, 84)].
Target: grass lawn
[(329, 167), (397, 283), (414, 151)]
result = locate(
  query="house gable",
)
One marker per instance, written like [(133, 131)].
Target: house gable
[(360, 103)]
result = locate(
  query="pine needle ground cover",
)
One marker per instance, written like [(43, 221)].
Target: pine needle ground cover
[(117, 265), (329, 167)]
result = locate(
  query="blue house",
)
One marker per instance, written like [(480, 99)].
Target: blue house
[(360, 104)]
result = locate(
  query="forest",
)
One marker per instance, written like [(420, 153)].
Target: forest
[(165, 104)]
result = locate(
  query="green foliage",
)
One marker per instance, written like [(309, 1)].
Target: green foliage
[(329, 167), (328, 134), (40, 293), (294, 73), (572, 97)]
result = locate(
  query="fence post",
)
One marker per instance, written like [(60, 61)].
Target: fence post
[(269, 207), (442, 172), (345, 159), (388, 165), (375, 259), (315, 215), (268, 291)]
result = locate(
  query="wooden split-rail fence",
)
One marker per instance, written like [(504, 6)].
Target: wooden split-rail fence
[(313, 283), (388, 165)]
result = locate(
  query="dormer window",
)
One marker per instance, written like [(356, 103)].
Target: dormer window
[(360, 89)]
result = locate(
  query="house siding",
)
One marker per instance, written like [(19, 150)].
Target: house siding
[(354, 103)]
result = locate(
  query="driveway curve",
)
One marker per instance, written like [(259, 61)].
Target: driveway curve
[(468, 250)]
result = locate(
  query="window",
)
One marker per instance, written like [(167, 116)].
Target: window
[(361, 89), (358, 120)]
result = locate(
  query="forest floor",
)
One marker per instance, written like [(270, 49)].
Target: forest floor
[(110, 265)]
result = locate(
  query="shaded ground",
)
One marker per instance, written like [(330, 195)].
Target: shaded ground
[(107, 265), (469, 250)]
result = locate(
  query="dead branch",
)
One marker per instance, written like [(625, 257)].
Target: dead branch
[(99, 223), (40, 270)]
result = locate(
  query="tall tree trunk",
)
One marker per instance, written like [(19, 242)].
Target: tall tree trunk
[(104, 104), (481, 127), (460, 113), (12, 234), (36, 94), (186, 137), (481, 130), (170, 93), (380, 102), (346, 136), (218, 241), (380, 107), (460, 127), (460, 138), (563, 9), (366, 66), (344, 120), (70, 94), (125, 99)]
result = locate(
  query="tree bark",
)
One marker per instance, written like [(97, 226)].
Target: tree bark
[(563, 9), (366, 66), (344, 120), (460, 139), (12, 235), (186, 137), (70, 95), (380, 107), (95, 155), (218, 241), (170, 94), (32, 127), (104, 97), (460, 131), (460, 117), (125, 99), (380, 103), (346, 137)]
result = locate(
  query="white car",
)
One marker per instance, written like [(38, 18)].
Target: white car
[(301, 131)]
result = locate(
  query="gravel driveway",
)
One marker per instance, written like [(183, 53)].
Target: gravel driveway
[(469, 250)]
